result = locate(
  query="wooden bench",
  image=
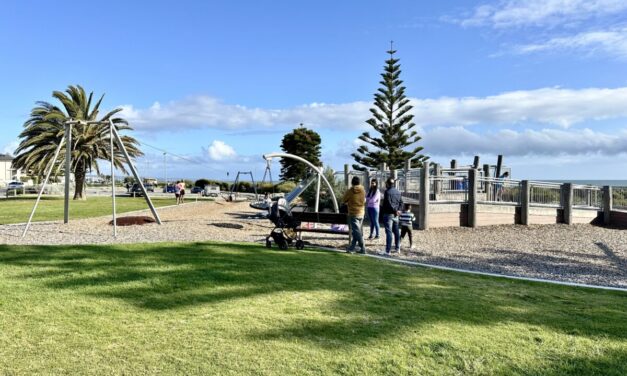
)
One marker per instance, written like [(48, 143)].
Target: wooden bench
[(317, 217)]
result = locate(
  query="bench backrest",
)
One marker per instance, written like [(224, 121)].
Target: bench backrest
[(317, 217)]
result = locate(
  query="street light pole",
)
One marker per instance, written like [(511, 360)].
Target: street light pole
[(165, 171)]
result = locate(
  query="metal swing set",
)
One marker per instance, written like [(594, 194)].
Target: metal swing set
[(67, 138)]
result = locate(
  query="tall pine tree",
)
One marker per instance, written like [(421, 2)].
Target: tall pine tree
[(393, 122), (304, 143)]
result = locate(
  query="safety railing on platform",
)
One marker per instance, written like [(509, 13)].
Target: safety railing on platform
[(545, 194), (619, 198), (501, 191), (587, 197), (448, 188)]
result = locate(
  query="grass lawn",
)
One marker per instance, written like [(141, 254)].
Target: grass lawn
[(234, 309), (51, 208)]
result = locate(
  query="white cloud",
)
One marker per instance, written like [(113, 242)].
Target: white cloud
[(550, 106), (220, 151), (10, 147), (519, 13), (608, 42), (208, 112), (546, 142)]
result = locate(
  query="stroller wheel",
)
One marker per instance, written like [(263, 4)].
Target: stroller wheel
[(268, 243), (283, 246), (300, 244)]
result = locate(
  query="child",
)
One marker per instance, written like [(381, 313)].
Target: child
[(406, 220)]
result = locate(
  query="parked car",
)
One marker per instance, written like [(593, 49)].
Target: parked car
[(149, 187), (196, 190), (15, 185), (211, 191), (169, 188), (136, 190)]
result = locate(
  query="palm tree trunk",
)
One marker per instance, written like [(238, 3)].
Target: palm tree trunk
[(79, 180)]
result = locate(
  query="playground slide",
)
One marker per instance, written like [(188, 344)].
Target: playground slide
[(300, 188), (291, 196)]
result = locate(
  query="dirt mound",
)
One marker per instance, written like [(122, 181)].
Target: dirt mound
[(134, 220)]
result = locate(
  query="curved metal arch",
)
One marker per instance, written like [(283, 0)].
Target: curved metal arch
[(269, 156)]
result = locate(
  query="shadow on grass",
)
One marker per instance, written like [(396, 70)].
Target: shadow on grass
[(374, 299)]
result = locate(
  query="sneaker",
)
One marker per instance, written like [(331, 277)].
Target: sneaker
[(397, 250), (370, 237), (411, 248), (350, 250), (362, 251), (376, 237)]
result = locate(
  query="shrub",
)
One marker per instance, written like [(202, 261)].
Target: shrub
[(202, 183), (285, 187)]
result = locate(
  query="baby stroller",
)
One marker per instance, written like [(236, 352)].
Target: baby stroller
[(284, 232)]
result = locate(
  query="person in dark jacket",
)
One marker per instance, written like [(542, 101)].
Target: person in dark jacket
[(391, 209)]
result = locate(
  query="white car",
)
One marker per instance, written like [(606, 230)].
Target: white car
[(15, 185), (211, 191)]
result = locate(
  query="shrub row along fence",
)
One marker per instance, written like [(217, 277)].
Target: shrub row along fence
[(470, 187)]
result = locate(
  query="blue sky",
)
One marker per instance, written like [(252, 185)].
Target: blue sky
[(542, 82)]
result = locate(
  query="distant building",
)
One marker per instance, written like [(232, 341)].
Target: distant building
[(7, 172)]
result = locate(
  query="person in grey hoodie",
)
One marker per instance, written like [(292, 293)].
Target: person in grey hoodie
[(391, 209), (355, 199)]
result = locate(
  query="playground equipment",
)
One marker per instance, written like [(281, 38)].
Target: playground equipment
[(67, 139), (318, 177), (233, 193)]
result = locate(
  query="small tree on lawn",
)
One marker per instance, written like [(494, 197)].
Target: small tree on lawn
[(304, 143), (393, 124)]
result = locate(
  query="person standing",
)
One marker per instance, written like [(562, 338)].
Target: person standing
[(373, 200), (391, 209), (355, 199), (406, 220), (182, 192), (177, 192)]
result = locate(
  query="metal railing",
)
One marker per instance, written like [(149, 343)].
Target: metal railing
[(545, 194), (587, 197), (448, 188), (619, 198), (501, 191)]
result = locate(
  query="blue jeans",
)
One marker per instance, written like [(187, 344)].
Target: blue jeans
[(390, 223), (358, 238), (373, 214)]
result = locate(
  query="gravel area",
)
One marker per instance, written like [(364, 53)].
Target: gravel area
[(578, 253)]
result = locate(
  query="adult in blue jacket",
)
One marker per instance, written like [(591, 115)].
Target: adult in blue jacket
[(391, 209)]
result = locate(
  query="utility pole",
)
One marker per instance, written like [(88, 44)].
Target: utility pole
[(165, 171)]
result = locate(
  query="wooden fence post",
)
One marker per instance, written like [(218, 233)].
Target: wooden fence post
[(567, 195), (472, 198), (407, 168), (437, 186), (487, 186), (607, 205), (499, 165), (423, 214), (383, 174), (346, 182), (475, 163), (524, 202)]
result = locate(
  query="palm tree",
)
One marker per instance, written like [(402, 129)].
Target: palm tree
[(45, 127)]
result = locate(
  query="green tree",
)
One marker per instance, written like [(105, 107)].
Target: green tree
[(392, 121), (46, 126), (304, 143), (326, 202)]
